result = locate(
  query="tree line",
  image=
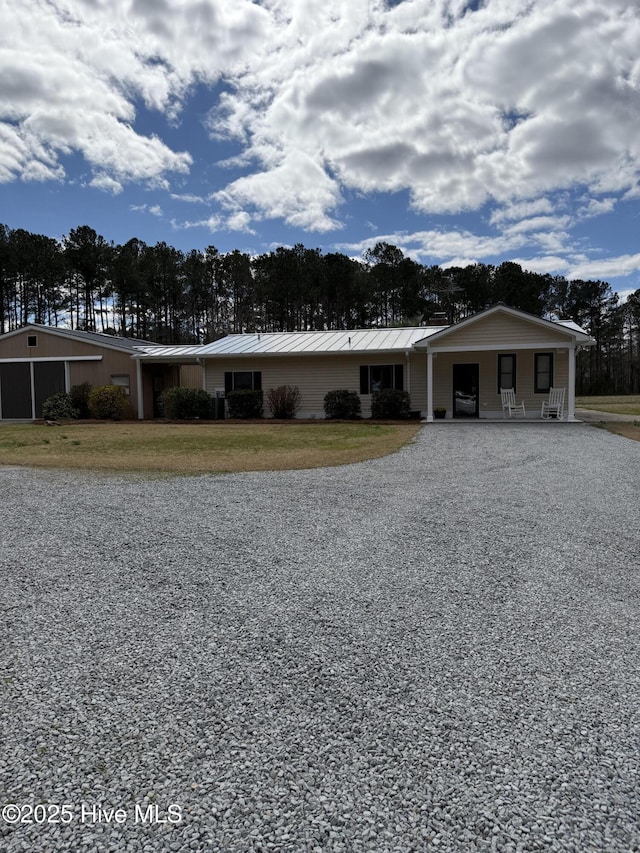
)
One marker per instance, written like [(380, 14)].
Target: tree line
[(159, 293)]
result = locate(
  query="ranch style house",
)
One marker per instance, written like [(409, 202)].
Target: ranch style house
[(459, 368)]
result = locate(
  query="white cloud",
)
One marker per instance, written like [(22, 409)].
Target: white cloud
[(521, 210), (605, 268), (624, 294), (153, 209), (596, 207), (505, 105), (544, 264), (240, 221), (72, 71), (105, 182), (296, 190), (189, 198), (212, 223), (539, 224), (442, 246)]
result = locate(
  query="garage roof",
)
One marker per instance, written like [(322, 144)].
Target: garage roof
[(98, 338)]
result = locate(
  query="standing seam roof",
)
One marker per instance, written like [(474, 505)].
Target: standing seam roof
[(302, 343), (354, 340)]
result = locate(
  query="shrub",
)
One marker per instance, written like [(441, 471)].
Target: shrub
[(185, 403), (80, 398), (284, 401), (59, 407), (342, 404), (391, 403), (245, 404), (108, 402)]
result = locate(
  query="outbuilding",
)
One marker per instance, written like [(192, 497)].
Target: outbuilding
[(37, 361)]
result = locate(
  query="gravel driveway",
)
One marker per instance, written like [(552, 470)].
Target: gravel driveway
[(434, 651)]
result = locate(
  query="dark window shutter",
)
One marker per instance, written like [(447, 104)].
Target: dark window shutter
[(364, 379), (257, 380), (228, 381), (398, 379)]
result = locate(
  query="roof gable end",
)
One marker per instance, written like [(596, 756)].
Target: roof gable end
[(503, 322), (96, 339)]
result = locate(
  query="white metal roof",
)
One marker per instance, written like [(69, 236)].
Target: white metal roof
[(304, 343), (571, 325), (168, 351), (298, 343)]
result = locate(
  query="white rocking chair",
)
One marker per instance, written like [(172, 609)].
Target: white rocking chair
[(509, 402), (554, 406)]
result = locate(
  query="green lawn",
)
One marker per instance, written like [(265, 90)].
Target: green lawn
[(620, 405), (196, 448)]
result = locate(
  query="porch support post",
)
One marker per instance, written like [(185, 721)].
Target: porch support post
[(139, 390), (429, 386), (571, 404)]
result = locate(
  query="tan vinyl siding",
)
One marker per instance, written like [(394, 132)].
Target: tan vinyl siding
[(100, 372), (490, 402), (191, 376), (316, 375), (418, 380), (50, 346), (499, 328)]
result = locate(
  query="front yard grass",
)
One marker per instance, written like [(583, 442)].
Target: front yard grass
[(627, 404), (628, 430), (198, 448), (623, 404)]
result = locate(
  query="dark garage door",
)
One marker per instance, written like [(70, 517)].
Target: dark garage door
[(48, 378), (15, 390), (15, 387)]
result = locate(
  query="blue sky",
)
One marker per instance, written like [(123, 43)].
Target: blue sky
[(459, 131)]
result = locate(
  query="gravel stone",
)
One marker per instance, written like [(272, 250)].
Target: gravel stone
[(438, 650)]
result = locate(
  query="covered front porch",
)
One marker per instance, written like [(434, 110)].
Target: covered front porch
[(467, 385), (468, 365)]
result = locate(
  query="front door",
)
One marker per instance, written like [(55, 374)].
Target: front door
[(465, 390)]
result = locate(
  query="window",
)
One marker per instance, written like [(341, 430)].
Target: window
[(242, 380), (32, 340), (378, 377), (543, 372), (506, 372), (122, 380)]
